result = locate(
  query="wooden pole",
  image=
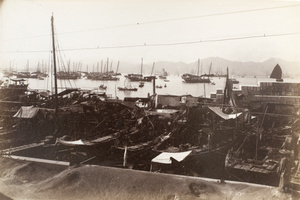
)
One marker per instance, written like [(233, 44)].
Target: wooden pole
[(54, 64), (125, 157), (154, 92), (198, 66)]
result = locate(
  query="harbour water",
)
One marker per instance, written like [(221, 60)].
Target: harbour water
[(174, 86)]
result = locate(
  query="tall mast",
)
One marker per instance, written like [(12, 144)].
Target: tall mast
[(152, 68), (38, 67), (107, 63), (198, 66), (226, 90), (118, 67), (54, 63), (142, 67), (69, 63), (201, 69), (111, 65), (27, 70)]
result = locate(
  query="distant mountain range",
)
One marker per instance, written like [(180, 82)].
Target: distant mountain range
[(218, 65)]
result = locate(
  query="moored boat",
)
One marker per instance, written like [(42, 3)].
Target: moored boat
[(102, 87), (191, 78), (234, 81), (12, 89), (26, 75), (68, 75), (139, 77), (141, 84), (127, 89), (259, 151)]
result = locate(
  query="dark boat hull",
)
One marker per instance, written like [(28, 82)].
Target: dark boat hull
[(206, 163), (271, 178), (197, 81), (137, 79), (189, 78), (127, 89)]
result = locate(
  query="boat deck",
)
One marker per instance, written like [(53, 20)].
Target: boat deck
[(20, 148)]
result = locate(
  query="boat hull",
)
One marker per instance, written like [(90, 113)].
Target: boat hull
[(257, 177), (197, 81), (209, 164), (189, 78)]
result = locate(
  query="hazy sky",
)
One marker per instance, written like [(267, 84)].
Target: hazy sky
[(157, 30)]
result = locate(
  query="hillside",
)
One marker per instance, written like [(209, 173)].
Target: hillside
[(218, 64)]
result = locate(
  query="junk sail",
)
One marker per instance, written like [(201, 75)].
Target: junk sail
[(277, 73)]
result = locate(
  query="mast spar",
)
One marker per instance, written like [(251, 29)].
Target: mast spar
[(198, 66), (118, 67), (54, 66), (142, 67), (152, 68)]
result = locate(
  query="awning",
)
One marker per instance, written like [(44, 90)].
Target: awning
[(162, 112), (165, 157), (27, 112), (67, 91), (219, 112)]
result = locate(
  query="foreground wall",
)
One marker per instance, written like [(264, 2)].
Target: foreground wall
[(24, 180)]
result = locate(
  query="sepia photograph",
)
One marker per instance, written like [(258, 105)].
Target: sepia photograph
[(149, 99)]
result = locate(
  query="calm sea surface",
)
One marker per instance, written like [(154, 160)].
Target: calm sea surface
[(175, 86)]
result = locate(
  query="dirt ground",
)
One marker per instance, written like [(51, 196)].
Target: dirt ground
[(22, 180)]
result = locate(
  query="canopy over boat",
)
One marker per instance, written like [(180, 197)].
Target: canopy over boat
[(29, 112), (165, 157), (218, 111)]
